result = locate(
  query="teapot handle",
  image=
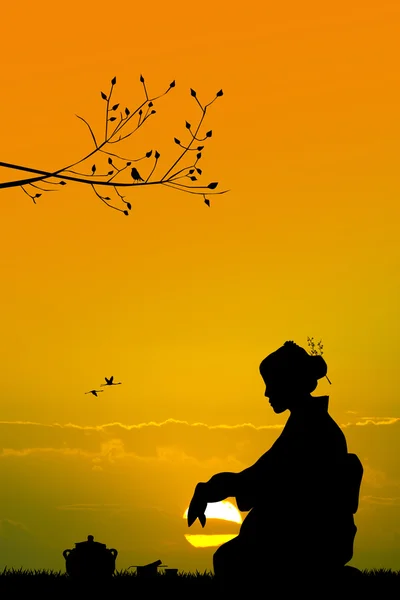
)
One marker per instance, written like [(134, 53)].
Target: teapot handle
[(114, 552), (66, 553)]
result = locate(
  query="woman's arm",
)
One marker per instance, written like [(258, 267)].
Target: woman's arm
[(244, 486), (221, 486)]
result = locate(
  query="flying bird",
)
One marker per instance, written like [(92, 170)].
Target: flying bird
[(136, 175), (111, 381), (94, 392)]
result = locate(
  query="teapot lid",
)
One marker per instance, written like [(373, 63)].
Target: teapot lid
[(90, 543)]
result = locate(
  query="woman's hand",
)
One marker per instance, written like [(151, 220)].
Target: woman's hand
[(197, 506)]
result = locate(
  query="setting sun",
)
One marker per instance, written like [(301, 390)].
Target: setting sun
[(223, 511)]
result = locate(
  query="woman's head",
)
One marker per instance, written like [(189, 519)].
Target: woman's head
[(289, 373)]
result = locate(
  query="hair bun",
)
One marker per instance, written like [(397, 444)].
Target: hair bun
[(319, 368)]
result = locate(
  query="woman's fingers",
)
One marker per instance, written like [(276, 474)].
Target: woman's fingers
[(192, 512), (197, 506), (196, 511), (191, 517)]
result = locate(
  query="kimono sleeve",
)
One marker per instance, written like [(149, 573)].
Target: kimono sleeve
[(253, 481)]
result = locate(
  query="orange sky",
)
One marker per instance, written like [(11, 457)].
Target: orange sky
[(181, 301)]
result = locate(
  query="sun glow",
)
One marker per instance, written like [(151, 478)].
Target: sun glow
[(208, 541), (223, 511)]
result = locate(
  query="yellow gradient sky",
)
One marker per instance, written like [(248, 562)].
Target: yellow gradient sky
[(181, 301)]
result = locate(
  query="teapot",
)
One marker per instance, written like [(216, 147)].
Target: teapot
[(90, 559)]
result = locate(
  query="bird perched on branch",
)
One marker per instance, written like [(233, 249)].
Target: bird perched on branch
[(111, 381), (94, 392), (136, 175)]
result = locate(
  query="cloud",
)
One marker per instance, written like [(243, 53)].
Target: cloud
[(184, 448), (91, 507), (179, 442), (171, 440), (385, 501), (8, 527), (377, 421)]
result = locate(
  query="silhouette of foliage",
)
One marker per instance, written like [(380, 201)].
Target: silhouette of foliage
[(316, 350), (116, 129)]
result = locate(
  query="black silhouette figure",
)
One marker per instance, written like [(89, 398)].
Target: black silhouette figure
[(94, 392), (301, 494), (136, 175), (111, 381)]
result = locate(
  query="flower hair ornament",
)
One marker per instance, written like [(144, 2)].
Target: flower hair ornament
[(316, 350)]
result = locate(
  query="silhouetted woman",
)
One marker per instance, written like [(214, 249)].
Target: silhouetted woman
[(301, 494)]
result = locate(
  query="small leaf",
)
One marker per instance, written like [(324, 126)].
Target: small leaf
[(113, 81), (191, 171), (207, 201), (110, 160), (187, 125), (103, 95), (150, 104), (192, 93), (200, 147), (115, 107), (94, 169), (142, 79), (112, 118), (127, 111), (140, 111), (128, 164), (198, 156), (193, 178), (199, 171), (63, 183), (106, 198), (110, 172), (209, 133), (212, 185), (129, 205), (126, 213), (149, 153), (157, 154), (153, 112), (220, 93), (37, 195), (172, 84), (177, 141)]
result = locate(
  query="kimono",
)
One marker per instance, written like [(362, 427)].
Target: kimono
[(301, 496)]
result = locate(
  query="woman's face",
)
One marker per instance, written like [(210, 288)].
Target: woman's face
[(280, 391)]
